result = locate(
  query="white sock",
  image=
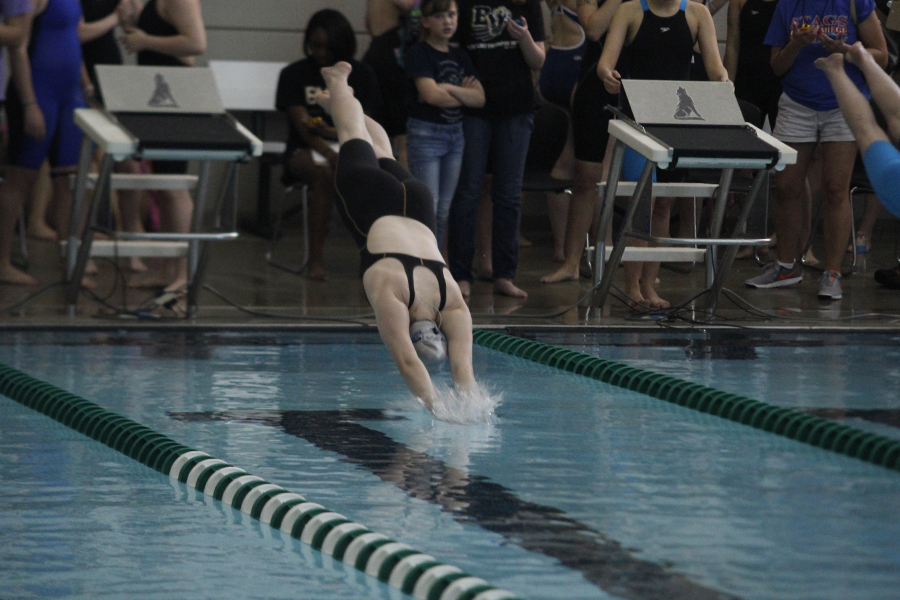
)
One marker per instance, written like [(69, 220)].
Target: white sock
[(784, 265)]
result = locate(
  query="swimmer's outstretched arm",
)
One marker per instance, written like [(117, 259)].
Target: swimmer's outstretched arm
[(392, 318), (347, 113), (457, 327)]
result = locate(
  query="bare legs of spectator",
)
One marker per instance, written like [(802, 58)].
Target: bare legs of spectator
[(320, 178), (37, 205), (129, 202), (640, 277), (578, 221), (558, 204), (13, 192), (790, 213)]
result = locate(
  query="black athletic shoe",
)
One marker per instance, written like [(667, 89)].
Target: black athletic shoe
[(889, 278)]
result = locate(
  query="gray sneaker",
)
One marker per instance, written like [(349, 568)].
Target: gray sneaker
[(775, 275), (830, 287)]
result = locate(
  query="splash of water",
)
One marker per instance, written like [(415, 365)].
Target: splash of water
[(477, 405)]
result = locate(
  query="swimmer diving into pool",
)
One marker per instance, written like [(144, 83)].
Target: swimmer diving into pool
[(419, 309)]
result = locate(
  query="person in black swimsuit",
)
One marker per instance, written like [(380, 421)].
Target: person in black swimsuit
[(165, 33), (658, 38), (391, 217)]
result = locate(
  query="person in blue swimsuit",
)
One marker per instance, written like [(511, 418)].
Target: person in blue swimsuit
[(562, 65), (880, 155), (43, 94), (391, 217), (559, 75)]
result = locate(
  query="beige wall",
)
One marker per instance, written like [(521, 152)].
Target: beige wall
[(270, 29), (273, 29)]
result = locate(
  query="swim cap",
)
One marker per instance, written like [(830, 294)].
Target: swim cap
[(429, 342)]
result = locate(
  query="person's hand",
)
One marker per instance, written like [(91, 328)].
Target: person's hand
[(611, 79), (833, 45), (725, 78), (805, 35), (35, 126), (134, 39), (127, 12), (469, 82), (518, 29)]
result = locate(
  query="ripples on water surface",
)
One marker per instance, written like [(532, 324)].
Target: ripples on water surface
[(578, 490)]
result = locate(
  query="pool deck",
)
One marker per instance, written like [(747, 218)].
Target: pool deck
[(270, 297)]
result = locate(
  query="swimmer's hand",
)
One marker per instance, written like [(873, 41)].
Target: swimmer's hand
[(611, 79), (463, 407)]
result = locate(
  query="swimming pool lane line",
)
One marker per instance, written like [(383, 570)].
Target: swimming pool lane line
[(396, 564), (787, 422)]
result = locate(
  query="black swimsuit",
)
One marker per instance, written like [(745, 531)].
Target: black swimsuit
[(369, 188)]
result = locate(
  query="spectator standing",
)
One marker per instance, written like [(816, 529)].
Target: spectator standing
[(166, 33), (590, 122), (505, 39), (442, 80), (809, 116), (43, 94), (559, 76)]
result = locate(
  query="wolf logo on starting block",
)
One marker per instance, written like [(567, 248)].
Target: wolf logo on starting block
[(686, 110)]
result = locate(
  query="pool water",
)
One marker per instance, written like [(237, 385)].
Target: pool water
[(579, 490)]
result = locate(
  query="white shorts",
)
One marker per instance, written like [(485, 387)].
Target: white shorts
[(798, 124)]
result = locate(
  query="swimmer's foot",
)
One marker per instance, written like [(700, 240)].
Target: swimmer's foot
[(857, 54), (507, 288), (465, 288), (323, 99), (564, 273), (13, 276), (831, 64), (316, 272), (337, 73)]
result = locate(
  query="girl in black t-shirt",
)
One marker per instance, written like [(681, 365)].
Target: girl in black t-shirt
[(442, 80), (311, 152)]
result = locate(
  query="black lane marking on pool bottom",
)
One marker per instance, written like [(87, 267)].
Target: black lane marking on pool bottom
[(474, 499)]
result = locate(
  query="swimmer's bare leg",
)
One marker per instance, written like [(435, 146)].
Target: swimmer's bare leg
[(884, 90), (854, 105), (346, 111)]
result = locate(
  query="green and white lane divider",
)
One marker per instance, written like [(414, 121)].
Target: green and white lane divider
[(399, 565), (793, 424)]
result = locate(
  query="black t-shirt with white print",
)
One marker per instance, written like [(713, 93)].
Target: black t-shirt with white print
[(506, 78), (422, 60)]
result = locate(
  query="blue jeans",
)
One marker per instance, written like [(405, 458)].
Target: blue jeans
[(435, 153), (505, 144)]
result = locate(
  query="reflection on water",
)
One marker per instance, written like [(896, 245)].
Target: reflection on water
[(477, 500)]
